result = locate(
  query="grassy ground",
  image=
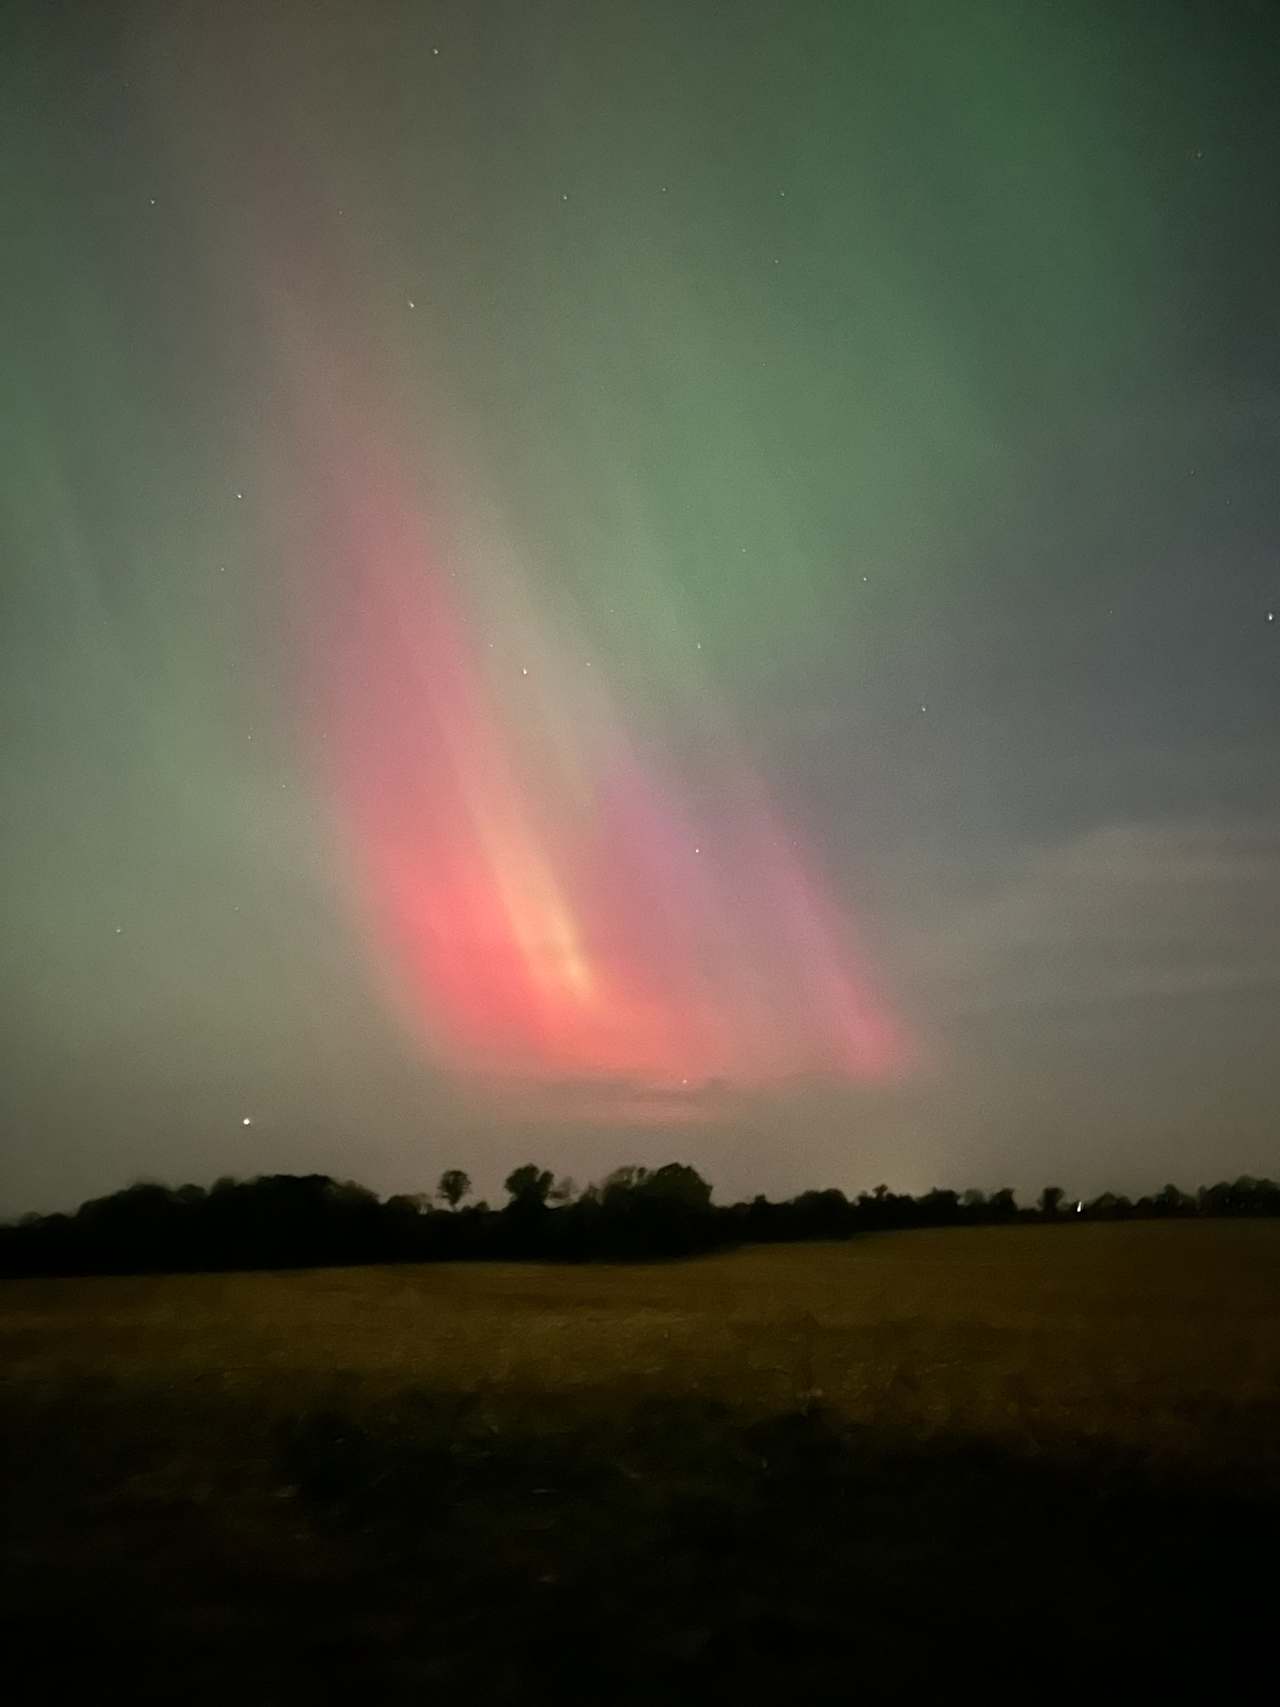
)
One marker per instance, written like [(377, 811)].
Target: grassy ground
[(1026, 1456)]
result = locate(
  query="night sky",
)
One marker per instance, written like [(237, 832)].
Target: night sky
[(600, 582)]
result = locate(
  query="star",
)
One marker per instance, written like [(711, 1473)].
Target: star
[(1271, 616), (239, 496), (411, 302), (247, 1121), (119, 930)]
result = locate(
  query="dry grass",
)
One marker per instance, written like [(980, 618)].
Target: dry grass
[(781, 1470), (1162, 1337)]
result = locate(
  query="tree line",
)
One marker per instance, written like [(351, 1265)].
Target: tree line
[(636, 1213)]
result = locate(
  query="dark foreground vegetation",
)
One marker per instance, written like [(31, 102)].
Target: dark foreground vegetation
[(291, 1221), (687, 1555), (933, 1466)]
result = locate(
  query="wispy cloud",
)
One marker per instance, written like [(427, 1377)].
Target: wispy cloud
[(1126, 912)]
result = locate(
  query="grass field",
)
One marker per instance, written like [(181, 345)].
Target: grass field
[(835, 1470)]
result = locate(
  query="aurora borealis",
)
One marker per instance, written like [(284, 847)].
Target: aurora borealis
[(538, 891), (603, 580)]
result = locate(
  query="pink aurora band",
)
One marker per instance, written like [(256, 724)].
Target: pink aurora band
[(542, 899)]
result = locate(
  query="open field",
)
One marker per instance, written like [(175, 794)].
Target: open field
[(826, 1468)]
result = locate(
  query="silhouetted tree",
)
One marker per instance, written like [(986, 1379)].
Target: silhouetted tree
[(402, 1217), (940, 1208), (408, 1204), (1170, 1201), (529, 1185), (524, 1220), (454, 1186), (1108, 1206), (676, 1183), (286, 1220), (821, 1215), (625, 1178)]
